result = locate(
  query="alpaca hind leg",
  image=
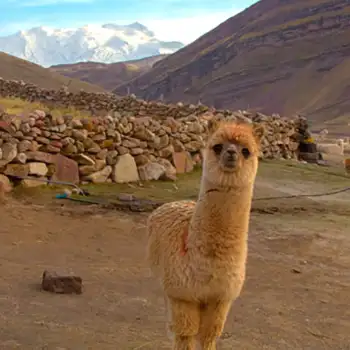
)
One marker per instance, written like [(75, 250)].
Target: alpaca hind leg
[(184, 323), (213, 319)]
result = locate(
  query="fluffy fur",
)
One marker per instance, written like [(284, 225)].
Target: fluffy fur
[(347, 164), (2, 193), (198, 250)]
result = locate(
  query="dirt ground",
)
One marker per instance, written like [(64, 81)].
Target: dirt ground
[(296, 294)]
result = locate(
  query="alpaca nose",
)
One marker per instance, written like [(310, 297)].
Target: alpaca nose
[(232, 152)]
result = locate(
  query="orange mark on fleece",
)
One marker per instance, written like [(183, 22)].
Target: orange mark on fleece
[(239, 133), (184, 236), (347, 164)]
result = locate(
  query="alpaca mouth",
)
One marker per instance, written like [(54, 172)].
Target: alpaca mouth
[(230, 164)]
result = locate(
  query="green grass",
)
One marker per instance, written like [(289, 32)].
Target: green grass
[(302, 172), (187, 185)]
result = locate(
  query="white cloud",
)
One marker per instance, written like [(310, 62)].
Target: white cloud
[(34, 3), (13, 27), (186, 29)]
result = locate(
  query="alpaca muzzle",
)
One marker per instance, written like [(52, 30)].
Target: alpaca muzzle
[(230, 157)]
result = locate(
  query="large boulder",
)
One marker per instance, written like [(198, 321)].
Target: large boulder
[(125, 170), (66, 169), (37, 169), (183, 162), (151, 171)]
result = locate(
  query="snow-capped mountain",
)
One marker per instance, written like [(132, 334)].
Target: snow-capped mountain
[(106, 43)]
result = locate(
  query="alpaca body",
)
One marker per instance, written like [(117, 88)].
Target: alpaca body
[(213, 265), (198, 250)]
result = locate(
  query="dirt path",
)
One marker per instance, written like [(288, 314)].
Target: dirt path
[(296, 295)]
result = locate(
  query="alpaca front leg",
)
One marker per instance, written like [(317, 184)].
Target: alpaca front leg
[(170, 334), (184, 323), (213, 318)]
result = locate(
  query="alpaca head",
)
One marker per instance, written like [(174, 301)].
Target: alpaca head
[(231, 153)]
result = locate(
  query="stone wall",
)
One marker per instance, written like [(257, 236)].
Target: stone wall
[(93, 102), (135, 140)]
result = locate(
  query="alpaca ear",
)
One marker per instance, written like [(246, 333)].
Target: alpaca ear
[(213, 125), (258, 131)]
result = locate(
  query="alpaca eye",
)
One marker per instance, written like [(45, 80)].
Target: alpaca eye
[(218, 148), (245, 152)]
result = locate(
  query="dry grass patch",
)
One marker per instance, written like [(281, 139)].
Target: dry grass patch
[(16, 106), (14, 68)]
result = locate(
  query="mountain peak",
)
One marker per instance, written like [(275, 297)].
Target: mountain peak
[(141, 28), (137, 26), (107, 43)]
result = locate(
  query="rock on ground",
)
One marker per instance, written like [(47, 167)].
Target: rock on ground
[(100, 176), (61, 283), (5, 183), (151, 171)]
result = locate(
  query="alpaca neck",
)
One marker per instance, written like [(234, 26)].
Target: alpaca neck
[(220, 221)]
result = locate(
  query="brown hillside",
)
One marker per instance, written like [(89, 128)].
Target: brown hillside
[(108, 76), (283, 56), (13, 68)]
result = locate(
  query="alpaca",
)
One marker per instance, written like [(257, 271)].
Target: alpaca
[(198, 250), (2, 193), (347, 165)]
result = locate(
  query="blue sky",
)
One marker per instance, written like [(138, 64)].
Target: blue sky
[(170, 19)]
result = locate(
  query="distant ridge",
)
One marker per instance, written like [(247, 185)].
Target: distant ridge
[(108, 76)]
